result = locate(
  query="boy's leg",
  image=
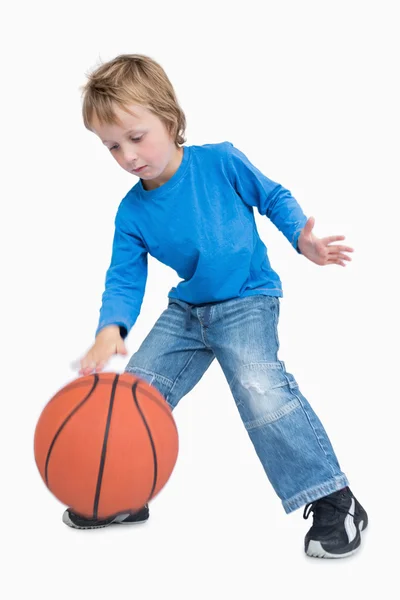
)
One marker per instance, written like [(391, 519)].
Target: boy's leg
[(172, 358), (287, 435)]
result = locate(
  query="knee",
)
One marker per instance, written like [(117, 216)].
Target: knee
[(265, 391)]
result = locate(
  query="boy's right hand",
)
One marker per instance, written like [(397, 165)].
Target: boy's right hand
[(108, 342)]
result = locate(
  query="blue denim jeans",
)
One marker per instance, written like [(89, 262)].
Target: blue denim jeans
[(242, 335)]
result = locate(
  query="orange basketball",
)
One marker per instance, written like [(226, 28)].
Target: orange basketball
[(106, 444)]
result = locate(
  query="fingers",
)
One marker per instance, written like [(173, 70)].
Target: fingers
[(338, 260), (100, 366), (332, 238), (328, 242), (339, 256), (336, 254), (338, 248), (93, 362), (98, 356), (87, 367)]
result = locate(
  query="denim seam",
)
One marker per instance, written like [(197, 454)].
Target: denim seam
[(276, 319), (311, 494), (155, 375), (312, 426), (183, 370), (275, 416), (202, 329), (271, 365), (210, 317)]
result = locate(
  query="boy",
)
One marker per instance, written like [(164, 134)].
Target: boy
[(192, 209)]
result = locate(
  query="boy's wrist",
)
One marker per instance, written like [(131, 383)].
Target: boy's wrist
[(109, 329)]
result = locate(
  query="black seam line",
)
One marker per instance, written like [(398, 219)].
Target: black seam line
[(150, 438), (104, 449), (124, 384), (95, 382)]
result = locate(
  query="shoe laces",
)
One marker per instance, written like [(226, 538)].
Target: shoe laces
[(325, 508)]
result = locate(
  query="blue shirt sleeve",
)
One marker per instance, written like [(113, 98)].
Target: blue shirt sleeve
[(270, 198), (125, 280)]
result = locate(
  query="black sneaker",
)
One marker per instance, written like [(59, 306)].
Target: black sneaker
[(77, 522), (339, 520)]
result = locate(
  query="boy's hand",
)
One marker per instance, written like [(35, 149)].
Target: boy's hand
[(108, 342), (320, 251)]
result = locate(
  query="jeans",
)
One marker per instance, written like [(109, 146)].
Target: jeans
[(242, 335)]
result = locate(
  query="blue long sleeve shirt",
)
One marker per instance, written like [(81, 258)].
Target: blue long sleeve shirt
[(201, 224)]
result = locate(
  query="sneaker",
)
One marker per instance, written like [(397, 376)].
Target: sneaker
[(77, 522), (338, 522)]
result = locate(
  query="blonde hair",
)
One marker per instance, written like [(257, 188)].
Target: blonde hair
[(132, 79)]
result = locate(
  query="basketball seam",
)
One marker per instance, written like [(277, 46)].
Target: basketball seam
[(160, 402), (155, 470), (82, 383), (63, 424), (104, 448)]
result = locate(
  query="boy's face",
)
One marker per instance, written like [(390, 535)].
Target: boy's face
[(141, 140)]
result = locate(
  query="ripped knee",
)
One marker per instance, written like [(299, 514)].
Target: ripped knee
[(265, 391)]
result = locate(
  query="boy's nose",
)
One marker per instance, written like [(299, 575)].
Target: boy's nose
[(130, 160)]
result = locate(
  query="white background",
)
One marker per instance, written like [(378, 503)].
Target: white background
[(308, 91)]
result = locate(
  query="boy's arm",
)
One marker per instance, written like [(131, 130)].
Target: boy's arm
[(270, 198), (125, 280)]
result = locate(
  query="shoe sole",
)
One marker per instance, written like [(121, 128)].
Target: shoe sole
[(73, 525), (315, 549)]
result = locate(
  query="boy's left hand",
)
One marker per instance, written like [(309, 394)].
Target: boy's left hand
[(320, 251)]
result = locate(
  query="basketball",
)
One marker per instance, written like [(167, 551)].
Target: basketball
[(106, 444)]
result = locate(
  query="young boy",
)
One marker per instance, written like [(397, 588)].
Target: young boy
[(192, 209)]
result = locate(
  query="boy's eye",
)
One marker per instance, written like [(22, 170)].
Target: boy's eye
[(133, 140)]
